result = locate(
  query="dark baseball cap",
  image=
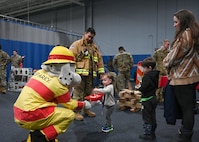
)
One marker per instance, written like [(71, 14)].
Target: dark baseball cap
[(121, 48)]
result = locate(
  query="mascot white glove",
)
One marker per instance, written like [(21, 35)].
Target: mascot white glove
[(87, 104)]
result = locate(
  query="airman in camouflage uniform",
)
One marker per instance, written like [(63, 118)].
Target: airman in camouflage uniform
[(123, 63), (159, 55), (4, 60), (16, 59)]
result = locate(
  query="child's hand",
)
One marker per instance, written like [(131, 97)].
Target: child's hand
[(137, 86), (95, 90)]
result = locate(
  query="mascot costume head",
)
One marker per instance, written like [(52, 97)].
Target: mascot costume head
[(61, 63), (36, 108)]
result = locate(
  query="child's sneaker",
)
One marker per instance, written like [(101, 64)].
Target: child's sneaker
[(107, 129)]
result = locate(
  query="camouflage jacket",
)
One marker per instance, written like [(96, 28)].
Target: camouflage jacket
[(4, 59), (159, 55), (16, 60), (123, 61)]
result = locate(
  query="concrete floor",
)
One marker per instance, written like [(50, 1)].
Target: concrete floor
[(127, 126)]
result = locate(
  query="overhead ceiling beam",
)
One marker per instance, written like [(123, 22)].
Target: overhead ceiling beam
[(42, 7), (10, 4), (77, 2)]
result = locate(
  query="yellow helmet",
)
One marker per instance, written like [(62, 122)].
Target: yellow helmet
[(60, 54)]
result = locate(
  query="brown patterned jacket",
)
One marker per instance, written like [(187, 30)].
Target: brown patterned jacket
[(182, 61)]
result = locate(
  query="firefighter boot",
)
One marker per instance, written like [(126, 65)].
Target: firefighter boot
[(78, 116), (89, 113)]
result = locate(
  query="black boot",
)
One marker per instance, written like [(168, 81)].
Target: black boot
[(148, 133), (184, 135), (37, 136)]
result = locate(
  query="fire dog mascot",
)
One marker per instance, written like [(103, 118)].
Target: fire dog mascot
[(36, 107)]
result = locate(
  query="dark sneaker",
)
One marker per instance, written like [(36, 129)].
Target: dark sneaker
[(106, 129)]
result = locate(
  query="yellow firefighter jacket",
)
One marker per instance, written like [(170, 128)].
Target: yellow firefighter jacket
[(42, 91)]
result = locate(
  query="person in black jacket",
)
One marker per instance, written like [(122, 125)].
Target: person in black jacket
[(148, 88)]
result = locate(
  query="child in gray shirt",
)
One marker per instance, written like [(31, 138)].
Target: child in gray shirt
[(108, 100)]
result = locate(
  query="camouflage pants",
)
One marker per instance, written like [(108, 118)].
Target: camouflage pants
[(160, 94), (123, 79), (84, 89), (3, 78)]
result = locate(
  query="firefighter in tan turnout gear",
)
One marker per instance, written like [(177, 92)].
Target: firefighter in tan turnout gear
[(89, 63)]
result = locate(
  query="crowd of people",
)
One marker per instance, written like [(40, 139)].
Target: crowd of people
[(178, 61)]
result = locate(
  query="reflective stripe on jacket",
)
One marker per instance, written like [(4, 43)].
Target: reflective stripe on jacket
[(88, 58)]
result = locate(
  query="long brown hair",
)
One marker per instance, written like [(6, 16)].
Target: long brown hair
[(187, 20)]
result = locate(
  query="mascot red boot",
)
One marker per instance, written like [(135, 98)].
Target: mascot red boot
[(36, 107)]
